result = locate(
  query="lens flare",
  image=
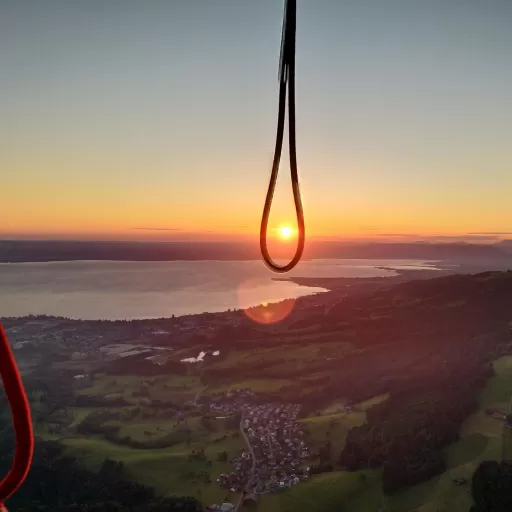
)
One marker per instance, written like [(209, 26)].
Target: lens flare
[(266, 311), (270, 313)]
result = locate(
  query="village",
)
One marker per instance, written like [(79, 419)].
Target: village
[(274, 458)]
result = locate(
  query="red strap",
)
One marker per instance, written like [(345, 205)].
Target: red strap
[(22, 421)]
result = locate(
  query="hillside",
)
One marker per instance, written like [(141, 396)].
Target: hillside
[(393, 382)]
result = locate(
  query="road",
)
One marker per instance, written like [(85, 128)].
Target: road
[(270, 447), (204, 388), (253, 468), (198, 394)]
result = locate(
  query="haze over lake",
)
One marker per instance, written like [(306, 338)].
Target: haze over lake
[(130, 290)]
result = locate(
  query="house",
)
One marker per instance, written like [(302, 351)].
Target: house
[(82, 380), (78, 355)]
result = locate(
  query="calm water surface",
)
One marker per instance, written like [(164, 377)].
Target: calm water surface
[(128, 290)]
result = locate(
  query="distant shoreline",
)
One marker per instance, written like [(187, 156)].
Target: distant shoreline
[(25, 251), (335, 283), (443, 268)]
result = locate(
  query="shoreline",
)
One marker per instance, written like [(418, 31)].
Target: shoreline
[(330, 285), (298, 289), (335, 283)]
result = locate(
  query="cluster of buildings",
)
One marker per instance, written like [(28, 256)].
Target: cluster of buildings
[(276, 452), (225, 507), (495, 413), (237, 480), (278, 444), (234, 401)]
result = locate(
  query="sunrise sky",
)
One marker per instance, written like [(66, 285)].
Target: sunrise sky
[(156, 118)]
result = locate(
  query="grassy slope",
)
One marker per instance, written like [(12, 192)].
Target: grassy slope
[(333, 427), (257, 385), (179, 388), (294, 358), (163, 469), (481, 439), (329, 492)]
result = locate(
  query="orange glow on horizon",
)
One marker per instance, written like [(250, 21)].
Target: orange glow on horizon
[(53, 210)]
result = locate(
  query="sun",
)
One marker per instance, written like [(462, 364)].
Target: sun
[(285, 232)]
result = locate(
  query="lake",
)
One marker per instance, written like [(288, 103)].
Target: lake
[(129, 290)]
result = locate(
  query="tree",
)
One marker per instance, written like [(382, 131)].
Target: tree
[(222, 456)]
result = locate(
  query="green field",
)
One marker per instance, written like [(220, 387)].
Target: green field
[(286, 356), (178, 388), (333, 428), (367, 404), (168, 470), (482, 438), (334, 422), (263, 385), (79, 414), (329, 492)]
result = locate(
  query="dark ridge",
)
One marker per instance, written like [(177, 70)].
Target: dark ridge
[(48, 250)]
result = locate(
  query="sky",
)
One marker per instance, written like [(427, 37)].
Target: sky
[(156, 119)]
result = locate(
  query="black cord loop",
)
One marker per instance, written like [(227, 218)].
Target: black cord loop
[(286, 78)]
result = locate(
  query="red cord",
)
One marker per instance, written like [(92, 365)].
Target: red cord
[(21, 419)]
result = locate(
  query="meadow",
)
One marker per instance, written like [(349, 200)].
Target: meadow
[(175, 470), (482, 437)]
